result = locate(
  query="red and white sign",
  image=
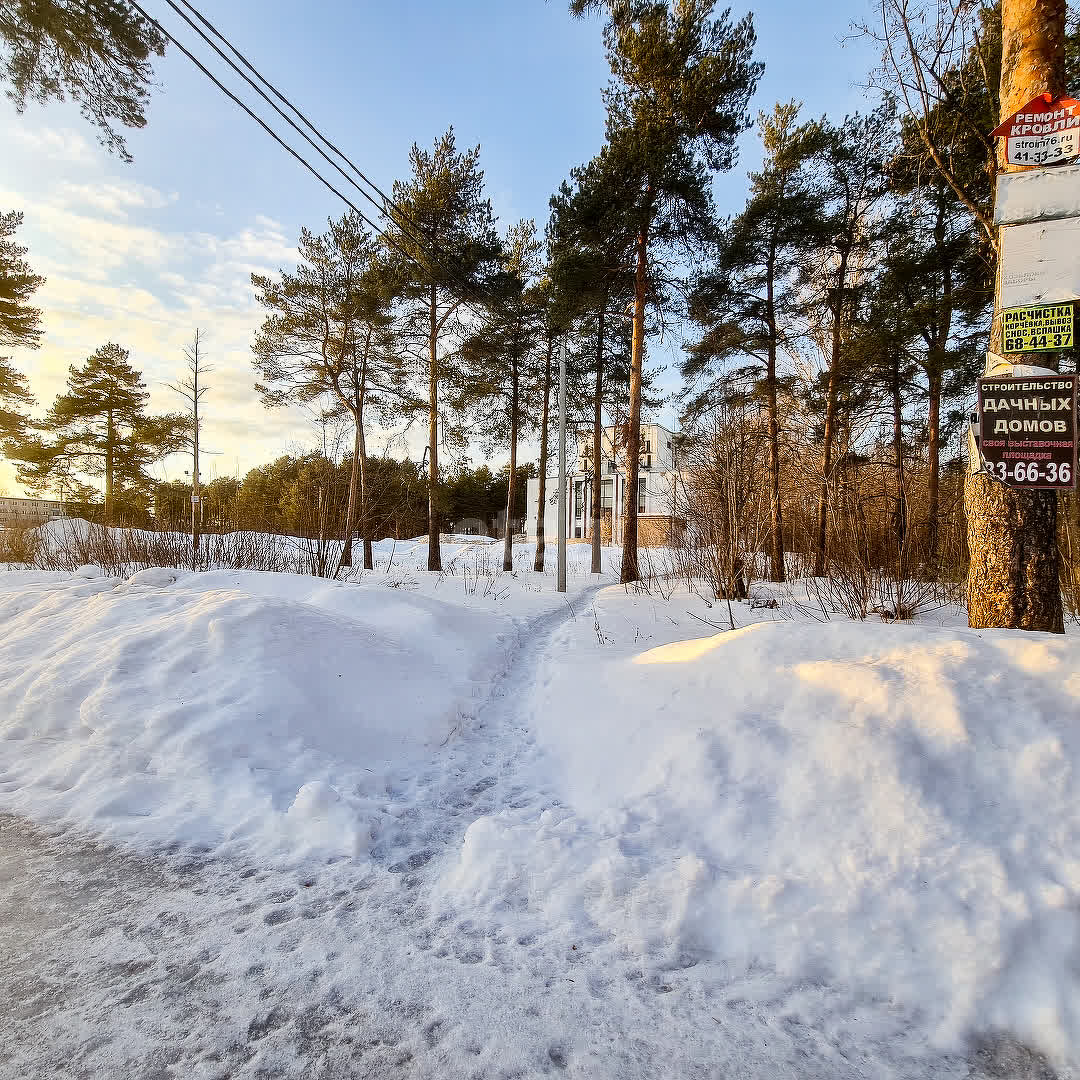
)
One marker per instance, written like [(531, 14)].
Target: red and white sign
[(1044, 132)]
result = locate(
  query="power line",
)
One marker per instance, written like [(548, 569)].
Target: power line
[(463, 285), (387, 201), (427, 247), (258, 120)]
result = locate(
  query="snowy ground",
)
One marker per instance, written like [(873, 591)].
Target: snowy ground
[(416, 825)]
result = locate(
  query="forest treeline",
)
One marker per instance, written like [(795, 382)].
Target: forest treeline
[(832, 329), (307, 495)]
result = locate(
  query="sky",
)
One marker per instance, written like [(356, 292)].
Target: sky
[(144, 253)]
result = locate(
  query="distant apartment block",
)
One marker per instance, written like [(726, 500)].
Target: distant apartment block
[(26, 513), (655, 495)]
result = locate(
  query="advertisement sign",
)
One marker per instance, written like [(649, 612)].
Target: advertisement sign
[(1037, 329), (1040, 263), (1037, 195), (1045, 131), (1027, 430)]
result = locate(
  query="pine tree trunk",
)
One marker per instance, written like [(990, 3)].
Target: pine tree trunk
[(832, 399), (365, 522), (933, 482), (511, 485), (777, 571), (1010, 583), (901, 512), (1033, 52), (356, 505), (110, 441), (630, 570), (598, 433), (822, 531), (1013, 578), (434, 561), (541, 495), (350, 505)]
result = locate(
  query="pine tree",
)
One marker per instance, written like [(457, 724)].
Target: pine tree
[(591, 245), (838, 269), (937, 268), (883, 352), (332, 332), (499, 371), (19, 326), (678, 102), (746, 301), (100, 429), (95, 51), (444, 240)]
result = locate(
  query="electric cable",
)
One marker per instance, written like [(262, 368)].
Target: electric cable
[(463, 286)]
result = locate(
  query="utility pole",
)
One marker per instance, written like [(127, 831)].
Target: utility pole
[(1013, 577), (562, 469)]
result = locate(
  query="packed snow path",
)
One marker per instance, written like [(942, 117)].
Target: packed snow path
[(193, 963)]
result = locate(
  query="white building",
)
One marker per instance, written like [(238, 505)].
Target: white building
[(16, 513), (656, 479)]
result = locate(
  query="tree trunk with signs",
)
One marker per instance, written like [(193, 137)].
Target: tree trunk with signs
[(1013, 579)]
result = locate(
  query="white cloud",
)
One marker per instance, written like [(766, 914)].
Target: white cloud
[(51, 144), (112, 277), (117, 199), (123, 264)]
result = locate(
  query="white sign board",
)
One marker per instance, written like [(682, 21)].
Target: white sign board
[(1040, 263), (1042, 149), (1037, 195)]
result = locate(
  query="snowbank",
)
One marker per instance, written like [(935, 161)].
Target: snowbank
[(891, 808), (230, 708)]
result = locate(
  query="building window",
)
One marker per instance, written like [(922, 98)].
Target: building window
[(641, 488), (578, 498), (607, 494)]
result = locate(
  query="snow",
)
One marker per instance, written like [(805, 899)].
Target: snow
[(459, 825), (156, 577), (895, 807), (207, 708)]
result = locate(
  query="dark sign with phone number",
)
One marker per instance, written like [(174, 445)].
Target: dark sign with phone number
[(1027, 430)]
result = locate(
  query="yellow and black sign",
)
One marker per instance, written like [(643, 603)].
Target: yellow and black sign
[(1037, 329)]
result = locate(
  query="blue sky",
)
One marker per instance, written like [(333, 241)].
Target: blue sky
[(144, 253)]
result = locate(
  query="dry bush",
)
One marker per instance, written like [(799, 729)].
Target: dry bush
[(661, 570), (722, 498), (879, 561), (19, 548), (123, 552)]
